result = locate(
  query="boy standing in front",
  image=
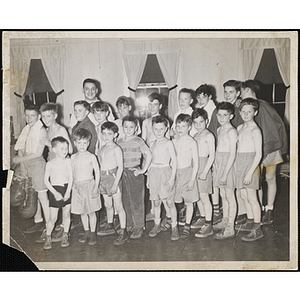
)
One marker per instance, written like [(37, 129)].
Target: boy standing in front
[(249, 153), (133, 191), (30, 146), (187, 167), (223, 175), (111, 161), (59, 171), (161, 176), (206, 152), (85, 192)]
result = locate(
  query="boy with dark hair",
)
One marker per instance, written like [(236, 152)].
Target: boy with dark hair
[(187, 167), (59, 171), (204, 99), (274, 143), (161, 176), (223, 176), (111, 160), (206, 153), (85, 193), (81, 111), (30, 146), (124, 108)]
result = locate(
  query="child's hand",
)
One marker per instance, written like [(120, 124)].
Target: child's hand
[(58, 196), (137, 171), (248, 179), (113, 190), (67, 196), (190, 186), (170, 183), (16, 159), (202, 176), (95, 191), (223, 180)]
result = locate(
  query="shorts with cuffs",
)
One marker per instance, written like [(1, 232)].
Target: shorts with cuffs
[(59, 203), (273, 158), (204, 186), (35, 168), (242, 165), (219, 166), (157, 182), (107, 179), (183, 177)]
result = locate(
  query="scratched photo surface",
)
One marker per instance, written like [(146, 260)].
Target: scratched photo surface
[(45, 73)]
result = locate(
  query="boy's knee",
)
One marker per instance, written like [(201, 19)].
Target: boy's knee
[(157, 203)]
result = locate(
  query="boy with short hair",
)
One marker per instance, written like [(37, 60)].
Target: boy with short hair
[(232, 92), (85, 193), (111, 161), (187, 167), (223, 175), (81, 111), (133, 191), (161, 176), (155, 105), (59, 171), (274, 143), (204, 99), (124, 108), (206, 153), (49, 113), (249, 153), (30, 146), (90, 92)]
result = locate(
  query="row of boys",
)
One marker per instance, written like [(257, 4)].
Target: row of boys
[(183, 154)]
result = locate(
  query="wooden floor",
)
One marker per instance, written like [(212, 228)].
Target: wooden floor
[(274, 246)]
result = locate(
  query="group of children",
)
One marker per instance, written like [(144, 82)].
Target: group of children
[(185, 163)]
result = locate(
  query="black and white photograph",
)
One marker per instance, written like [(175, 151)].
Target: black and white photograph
[(151, 150)]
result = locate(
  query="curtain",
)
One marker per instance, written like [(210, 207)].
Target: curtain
[(168, 54), (283, 61), (52, 54), (252, 51)]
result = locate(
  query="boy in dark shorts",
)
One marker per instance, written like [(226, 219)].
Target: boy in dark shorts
[(59, 171)]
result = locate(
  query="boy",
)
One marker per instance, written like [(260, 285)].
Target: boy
[(161, 176), (249, 154), (274, 143), (124, 107), (111, 161), (133, 180), (30, 146), (223, 176), (232, 92), (49, 113), (85, 194), (90, 92), (206, 153), (187, 167), (204, 99), (155, 105), (185, 99), (81, 111), (59, 171), (100, 111)]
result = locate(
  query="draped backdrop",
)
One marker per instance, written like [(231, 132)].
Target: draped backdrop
[(168, 56), (251, 51)]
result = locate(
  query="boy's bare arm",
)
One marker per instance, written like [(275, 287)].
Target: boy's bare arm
[(211, 155), (173, 157), (119, 159), (148, 156), (232, 137), (144, 130), (257, 139), (194, 149), (39, 153), (70, 182), (97, 173)]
